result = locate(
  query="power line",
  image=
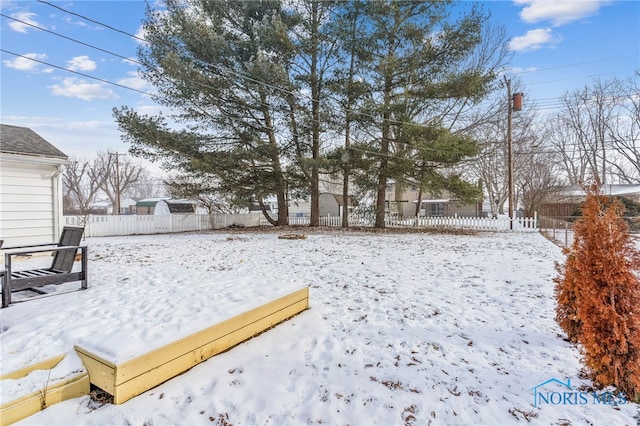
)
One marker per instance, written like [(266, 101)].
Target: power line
[(91, 20), (227, 70), (573, 65), (286, 91), (70, 38), (247, 77), (75, 72)]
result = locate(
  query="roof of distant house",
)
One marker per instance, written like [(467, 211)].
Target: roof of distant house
[(22, 140), (339, 199), (613, 189)]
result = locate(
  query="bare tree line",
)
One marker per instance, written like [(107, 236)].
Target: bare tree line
[(111, 175), (594, 135)]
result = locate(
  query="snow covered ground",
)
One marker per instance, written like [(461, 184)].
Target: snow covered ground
[(403, 329)]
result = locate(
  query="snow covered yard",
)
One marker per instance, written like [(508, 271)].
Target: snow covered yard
[(403, 329)]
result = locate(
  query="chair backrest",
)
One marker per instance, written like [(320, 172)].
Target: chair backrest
[(63, 260)]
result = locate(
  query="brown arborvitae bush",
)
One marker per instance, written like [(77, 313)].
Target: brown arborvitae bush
[(566, 293), (598, 295)]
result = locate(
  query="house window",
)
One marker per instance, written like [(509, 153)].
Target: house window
[(436, 209)]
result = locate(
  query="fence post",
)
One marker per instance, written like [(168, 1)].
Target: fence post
[(88, 227), (566, 234)]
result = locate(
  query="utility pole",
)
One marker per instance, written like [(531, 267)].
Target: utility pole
[(514, 103), (509, 152)]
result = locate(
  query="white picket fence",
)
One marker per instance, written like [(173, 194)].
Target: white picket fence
[(526, 224), (103, 225), (106, 225)]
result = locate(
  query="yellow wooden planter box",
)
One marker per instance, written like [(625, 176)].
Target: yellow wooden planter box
[(72, 387), (131, 378)]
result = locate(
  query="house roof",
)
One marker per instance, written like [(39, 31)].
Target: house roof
[(22, 140), (614, 189), (340, 200)]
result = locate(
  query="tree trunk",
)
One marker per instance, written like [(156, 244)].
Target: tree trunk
[(315, 117), (280, 180)]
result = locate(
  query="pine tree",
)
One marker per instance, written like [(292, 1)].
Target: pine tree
[(598, 295)]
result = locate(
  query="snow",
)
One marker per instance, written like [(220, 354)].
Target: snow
[(403, 329)]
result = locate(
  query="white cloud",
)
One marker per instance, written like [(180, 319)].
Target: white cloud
[(77, 88), (134, 81), (558, 12), (520, 70), (23, 16), (141, 34), (22, 63), (131, 61), (69, 20), (81, 63), (533, 40)]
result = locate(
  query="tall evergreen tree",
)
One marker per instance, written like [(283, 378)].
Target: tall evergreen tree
[(316, 48), (247, 86), (413, 54), (222, 67), (348, 88)]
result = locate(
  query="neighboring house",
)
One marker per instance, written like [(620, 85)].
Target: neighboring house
[(565, 202), (333, 204), (127, 206), (30, 187), (166, 207), (576, 194), (328, 205), (100, 207), (299, 208), (445, 205)]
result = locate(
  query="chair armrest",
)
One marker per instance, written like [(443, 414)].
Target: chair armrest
[(29, 246), (57, 248)]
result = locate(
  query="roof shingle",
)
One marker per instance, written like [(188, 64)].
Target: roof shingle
[(22, 140)]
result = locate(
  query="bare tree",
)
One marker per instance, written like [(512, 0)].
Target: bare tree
[(206, 192), (570, 155), (624, 135), (147, 186), (581, 130), (537, 178), (118, 175), (81, 182)]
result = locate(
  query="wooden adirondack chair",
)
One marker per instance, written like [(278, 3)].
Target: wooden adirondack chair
[(59, 272)]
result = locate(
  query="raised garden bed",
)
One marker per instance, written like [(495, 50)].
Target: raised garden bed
[(39, 386), (126, 379)]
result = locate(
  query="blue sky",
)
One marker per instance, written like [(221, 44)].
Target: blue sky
[(557, 45)]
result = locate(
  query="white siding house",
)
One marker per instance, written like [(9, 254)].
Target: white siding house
[(30, 187)]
